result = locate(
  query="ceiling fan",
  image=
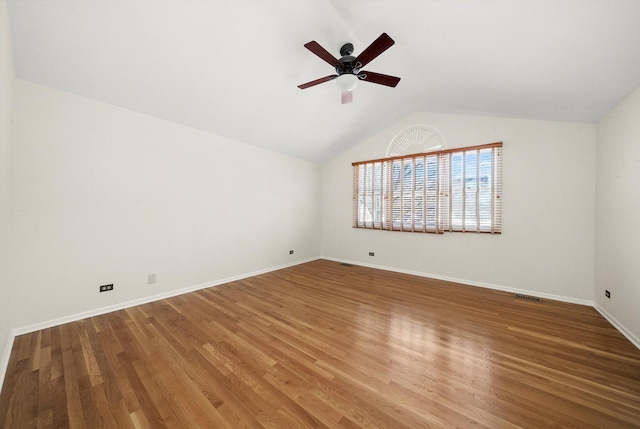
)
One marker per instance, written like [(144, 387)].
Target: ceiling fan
[(349, 68)]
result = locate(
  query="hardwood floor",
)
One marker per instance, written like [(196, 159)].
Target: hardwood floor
[(327, 345)]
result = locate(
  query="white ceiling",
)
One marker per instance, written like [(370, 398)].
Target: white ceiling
[(232, 67)]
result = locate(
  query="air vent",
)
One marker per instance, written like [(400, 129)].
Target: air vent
[(346, 265), (528, 298)]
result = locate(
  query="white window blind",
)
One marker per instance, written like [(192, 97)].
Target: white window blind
[(449, 190)]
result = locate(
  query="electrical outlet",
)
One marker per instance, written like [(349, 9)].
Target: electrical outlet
[(106, 288), (290, 252), (371, 253), (607, 294), (151, 279)]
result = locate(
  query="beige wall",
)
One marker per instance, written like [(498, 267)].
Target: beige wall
[(7, 84), (547, 245), (618, 215), (106, 195)]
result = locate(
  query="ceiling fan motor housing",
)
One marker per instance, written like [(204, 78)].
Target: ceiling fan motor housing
[(348, 62)]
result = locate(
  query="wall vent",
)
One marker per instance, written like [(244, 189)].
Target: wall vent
[(528, 297), (346, 265)]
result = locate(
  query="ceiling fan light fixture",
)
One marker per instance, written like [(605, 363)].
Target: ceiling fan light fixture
[(347, 82)]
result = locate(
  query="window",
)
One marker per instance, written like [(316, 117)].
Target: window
[(449, 190)]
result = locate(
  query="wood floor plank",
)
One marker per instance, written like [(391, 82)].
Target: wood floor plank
[(74, 405), (324, 345), (45, 398)]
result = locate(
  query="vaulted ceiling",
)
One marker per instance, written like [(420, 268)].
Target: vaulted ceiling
[(232, 68)]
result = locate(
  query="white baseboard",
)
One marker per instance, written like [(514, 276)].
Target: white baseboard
[(6, 354), (103, 310), (470, 282), (619, 326)]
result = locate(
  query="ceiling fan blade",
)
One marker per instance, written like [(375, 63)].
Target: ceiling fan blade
[(318, 81), (382, 79), (321, 52), (378, 46)]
